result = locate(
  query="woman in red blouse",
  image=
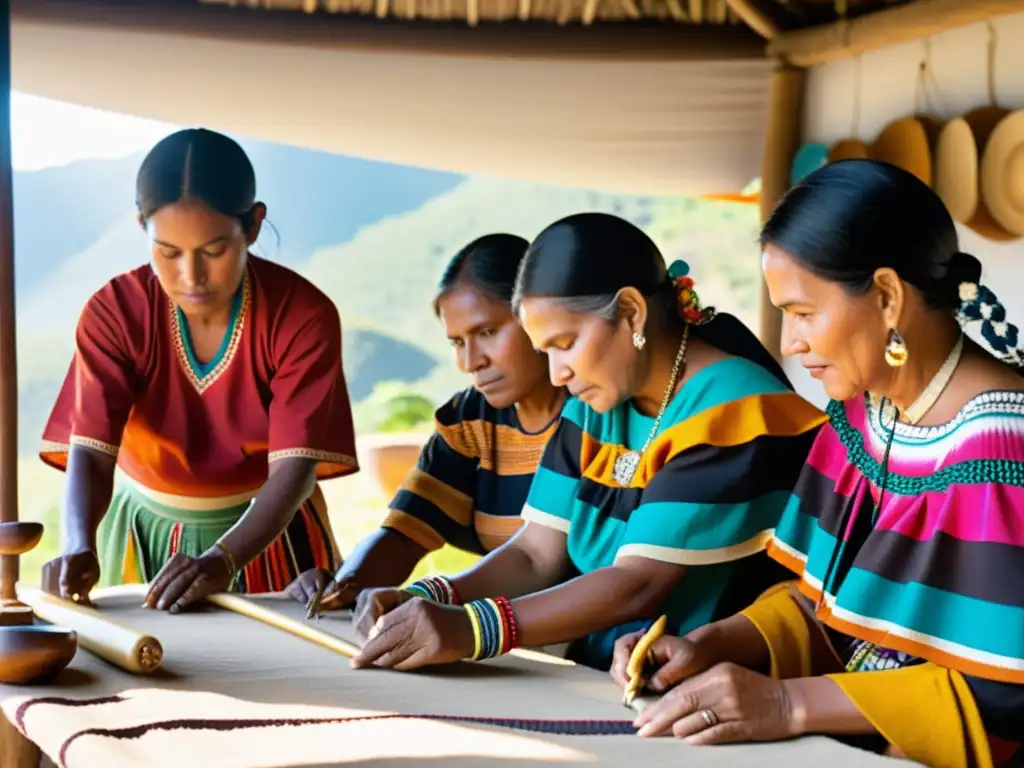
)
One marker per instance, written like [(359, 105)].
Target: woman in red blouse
[(205, 400)]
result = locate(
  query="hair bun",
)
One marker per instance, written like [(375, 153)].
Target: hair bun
[(964, 268)]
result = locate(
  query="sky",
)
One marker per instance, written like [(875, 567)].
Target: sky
[(46, 133)]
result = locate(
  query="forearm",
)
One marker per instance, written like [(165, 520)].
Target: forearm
[(534, 559), (819, 706), (734, 640), (509, 571), (595, 601), (385, 558), (87, 494), (291, 483)]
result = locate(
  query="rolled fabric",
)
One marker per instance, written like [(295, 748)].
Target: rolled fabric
[(254, 610), (112, 641)]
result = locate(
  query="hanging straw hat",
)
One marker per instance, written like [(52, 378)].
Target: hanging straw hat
[(849, 149), (1002, 173), (809, 158), (907, 143), (962, 143)]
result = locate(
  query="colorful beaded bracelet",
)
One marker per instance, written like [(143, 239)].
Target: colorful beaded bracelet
[(495, 631), (437, 589)]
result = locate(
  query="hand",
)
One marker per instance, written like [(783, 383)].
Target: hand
[(675, 659), (72, 576), (374, 603), (342, 594), (185, 580), (418, 633), (742, 705)]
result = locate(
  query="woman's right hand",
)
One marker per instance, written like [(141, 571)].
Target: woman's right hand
[(675, 659), (374, 603), (308, 584), (341, 594), (72, 575)]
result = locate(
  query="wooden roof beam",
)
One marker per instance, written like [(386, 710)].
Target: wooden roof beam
[(901, 24), (754, 18)]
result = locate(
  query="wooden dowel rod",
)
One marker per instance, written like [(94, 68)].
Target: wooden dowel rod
[(901, 24)]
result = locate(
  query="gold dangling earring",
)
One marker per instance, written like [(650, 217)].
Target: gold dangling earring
[(896, 349)]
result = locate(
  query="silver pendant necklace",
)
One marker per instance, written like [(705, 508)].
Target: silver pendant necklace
[(627, 463)]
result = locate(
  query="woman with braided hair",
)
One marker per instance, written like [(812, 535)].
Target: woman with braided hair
[(670, 465), (905, 632)]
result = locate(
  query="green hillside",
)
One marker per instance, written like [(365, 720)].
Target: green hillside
[(387, 274), (383, 279)]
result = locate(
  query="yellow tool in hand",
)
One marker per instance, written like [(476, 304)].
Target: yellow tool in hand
[(640, 658)]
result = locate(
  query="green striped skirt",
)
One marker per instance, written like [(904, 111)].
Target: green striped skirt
[(139, 534)]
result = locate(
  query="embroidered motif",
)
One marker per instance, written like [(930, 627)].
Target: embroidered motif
[(96, 445), (202, 383), (310, 453)]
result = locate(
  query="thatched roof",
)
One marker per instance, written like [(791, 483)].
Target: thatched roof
[(782, 15)]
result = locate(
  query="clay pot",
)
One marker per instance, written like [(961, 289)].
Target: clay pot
[(388, 458), (34, 653)]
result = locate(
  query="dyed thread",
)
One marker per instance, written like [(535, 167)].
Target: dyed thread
[(552, 727)]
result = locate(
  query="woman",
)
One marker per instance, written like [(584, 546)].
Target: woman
[(473, 475), (668, 468), (213, 381), (905, 527)]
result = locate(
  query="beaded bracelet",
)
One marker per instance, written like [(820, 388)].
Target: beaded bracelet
[(494, 627), (437, 589)]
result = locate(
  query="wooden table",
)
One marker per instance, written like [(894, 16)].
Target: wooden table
[(272, 675)]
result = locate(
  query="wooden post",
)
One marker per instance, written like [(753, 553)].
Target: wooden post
[(781, 141), (8, 336)]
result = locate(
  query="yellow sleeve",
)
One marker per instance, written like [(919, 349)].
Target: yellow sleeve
[(781, 622), (926, 712)]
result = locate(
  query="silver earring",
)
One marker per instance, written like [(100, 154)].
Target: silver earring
[(639, 340)]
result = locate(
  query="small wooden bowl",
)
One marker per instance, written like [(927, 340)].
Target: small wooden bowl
[(35, 653), (19, 538)]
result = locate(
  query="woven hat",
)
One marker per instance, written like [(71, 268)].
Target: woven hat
[(849, 149), (1002, 173), (907, 143), (961, 146)]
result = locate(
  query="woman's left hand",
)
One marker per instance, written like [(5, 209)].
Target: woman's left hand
[(417, 633), (185, 580), (725, 704)]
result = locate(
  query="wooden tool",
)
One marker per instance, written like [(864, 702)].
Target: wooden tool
[(640, 657), (127, 648), (254, 610), (28, 651)]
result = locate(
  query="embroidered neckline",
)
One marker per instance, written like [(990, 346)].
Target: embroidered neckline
[(203, 376), (992, 403), (970, 472)]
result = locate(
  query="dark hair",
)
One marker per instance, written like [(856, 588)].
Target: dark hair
[(489, 263), (852, 217), (584, 260), (199, 165)]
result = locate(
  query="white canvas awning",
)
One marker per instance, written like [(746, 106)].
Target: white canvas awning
[(654, 111)]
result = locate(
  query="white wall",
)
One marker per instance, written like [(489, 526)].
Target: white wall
[(888, 91)]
